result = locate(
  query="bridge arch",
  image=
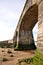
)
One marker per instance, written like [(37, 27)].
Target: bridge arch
[(25, 36), (30, 18), (26, 23)]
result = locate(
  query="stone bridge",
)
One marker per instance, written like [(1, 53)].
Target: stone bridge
[(31, 14)]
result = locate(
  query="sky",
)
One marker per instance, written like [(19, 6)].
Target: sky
[(10, 11)]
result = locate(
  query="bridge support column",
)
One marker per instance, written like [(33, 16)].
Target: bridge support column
[(26, 40), (40, 27)]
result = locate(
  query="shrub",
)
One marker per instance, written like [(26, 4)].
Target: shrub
[(27, 60), (9, 51), (2, 46), (5, 59), (3, 51), (11, 55)]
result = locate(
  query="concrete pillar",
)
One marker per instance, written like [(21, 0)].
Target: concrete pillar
[(26, 40), (40, 27)]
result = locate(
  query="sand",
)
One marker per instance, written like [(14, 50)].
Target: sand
[(16, 55)]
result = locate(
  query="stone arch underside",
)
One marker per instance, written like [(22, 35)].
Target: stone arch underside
[(30, 18), (24, 39), (28, 22)]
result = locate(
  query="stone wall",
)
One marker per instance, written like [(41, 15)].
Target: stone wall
[(40, 27), (36, 1)]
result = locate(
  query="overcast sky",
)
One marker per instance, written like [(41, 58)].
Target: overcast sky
[(10, 11)]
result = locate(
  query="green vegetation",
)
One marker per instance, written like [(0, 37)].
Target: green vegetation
[(25, 46), (3, 50), (6, 45), (27, 60), (36, 60), (11, 55), (5, 59), (9, 51)]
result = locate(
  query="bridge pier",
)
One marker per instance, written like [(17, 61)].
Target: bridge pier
[(40, 27), (26, 37), (25, 40)]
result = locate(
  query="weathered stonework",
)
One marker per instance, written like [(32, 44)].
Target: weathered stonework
[(31, 14), (26, 37), (40, 27)]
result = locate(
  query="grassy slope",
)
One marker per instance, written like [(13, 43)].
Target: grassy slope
[(36, 60)]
